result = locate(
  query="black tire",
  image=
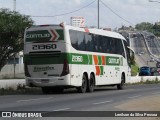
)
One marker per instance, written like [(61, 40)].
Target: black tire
[(91, 84), (58, 90), (121, 85), (46, 90), (83, 87)]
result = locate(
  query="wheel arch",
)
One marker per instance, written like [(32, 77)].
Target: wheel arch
[(124, 75), (86, 74)]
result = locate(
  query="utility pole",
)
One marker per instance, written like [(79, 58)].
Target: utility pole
[(14, 9), (98, 14), (14, 5)]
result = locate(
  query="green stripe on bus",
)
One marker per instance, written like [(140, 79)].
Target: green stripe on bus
[(73, 58), (99, 60), (102, 70), (44, 59), (90, 59)]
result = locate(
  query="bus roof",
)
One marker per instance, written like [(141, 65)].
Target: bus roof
[(98, 31), (89, 30)]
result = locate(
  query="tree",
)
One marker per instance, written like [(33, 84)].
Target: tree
[(12, 27), (144, 26), (156, 29)]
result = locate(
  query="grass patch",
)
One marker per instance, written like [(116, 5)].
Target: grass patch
[(134, 70), (20, 89), (152, 82), (156, 81)]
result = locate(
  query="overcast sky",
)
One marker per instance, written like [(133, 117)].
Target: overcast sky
[(134, 11)]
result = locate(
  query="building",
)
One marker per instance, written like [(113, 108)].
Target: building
[(107, 29), (78, 21), (18, 59)]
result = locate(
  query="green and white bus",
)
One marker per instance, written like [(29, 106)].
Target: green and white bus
[(57, 57)]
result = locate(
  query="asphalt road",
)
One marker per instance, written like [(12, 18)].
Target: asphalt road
[(139, 46), (103, 99)]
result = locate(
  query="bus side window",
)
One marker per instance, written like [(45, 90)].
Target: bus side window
[(73, 38), (119, 47), (81, 41), (104, 48), (89, 42)]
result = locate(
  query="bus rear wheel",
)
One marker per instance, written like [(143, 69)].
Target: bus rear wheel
[(121, 85), (91, 84), (46, 90), (50, 90), (57, 90), (83, 87)]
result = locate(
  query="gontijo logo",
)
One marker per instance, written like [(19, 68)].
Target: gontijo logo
[(43, 35), (113, 60), (38, 35)]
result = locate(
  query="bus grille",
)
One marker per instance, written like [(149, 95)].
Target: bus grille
[(45, 53)]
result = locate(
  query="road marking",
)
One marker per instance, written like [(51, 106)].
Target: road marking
[(134, 96), (102, 102), (34, 99), (62, 109)]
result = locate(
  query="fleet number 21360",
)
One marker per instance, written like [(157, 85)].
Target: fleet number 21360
[(44, 46)]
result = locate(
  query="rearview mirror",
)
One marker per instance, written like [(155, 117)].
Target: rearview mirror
[(131, 60)]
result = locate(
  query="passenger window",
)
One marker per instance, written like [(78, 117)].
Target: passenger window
[(96, 43), (73, 38)]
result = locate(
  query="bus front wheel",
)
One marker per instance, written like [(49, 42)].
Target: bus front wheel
[(83, 87), (121, 85)]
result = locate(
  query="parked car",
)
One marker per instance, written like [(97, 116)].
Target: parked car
[(158, 71), (145, 71), (153, 71)]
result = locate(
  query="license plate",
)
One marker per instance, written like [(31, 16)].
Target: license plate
[(45, 80)]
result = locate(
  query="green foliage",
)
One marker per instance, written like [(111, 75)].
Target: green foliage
[(134, 70), (144, 26), (12, 27), (152, 82), (20, 89), (142, 82), (133, 62), (156, 29)]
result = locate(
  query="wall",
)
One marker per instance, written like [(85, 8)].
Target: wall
[(136, 79), (11, 83), (14, 82), (8, 71)]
